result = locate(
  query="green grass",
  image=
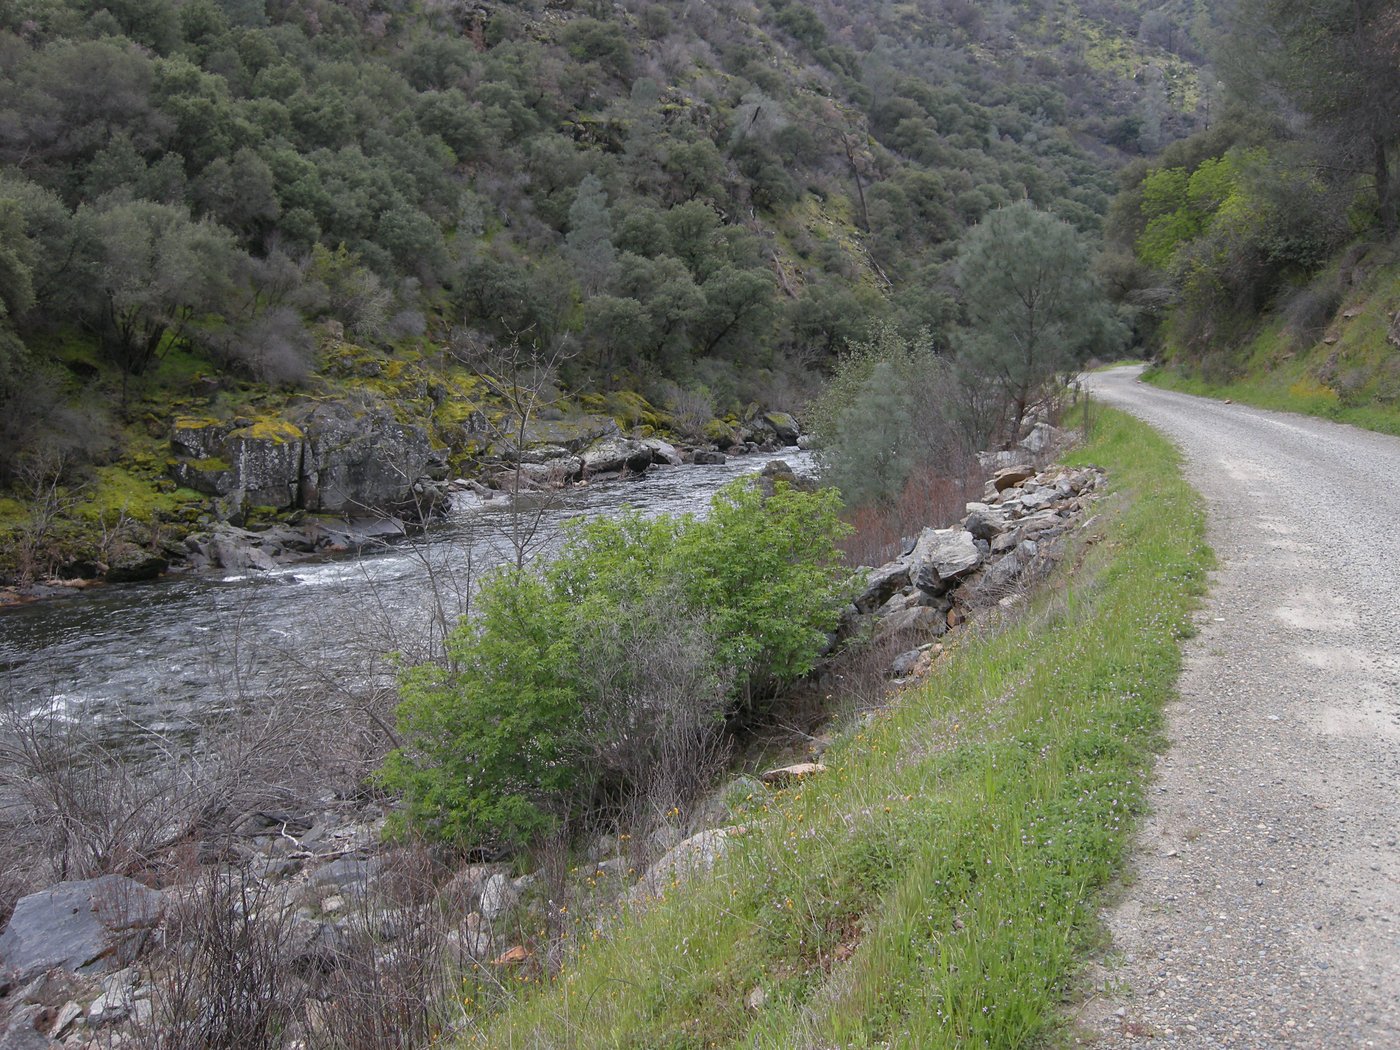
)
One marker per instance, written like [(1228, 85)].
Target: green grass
[(1285, 390), (937, 886)]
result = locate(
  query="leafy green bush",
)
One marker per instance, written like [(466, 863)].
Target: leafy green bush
[(567, 689)]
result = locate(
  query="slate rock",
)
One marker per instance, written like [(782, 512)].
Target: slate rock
[(90, 926)]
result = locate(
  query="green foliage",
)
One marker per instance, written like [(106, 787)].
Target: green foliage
[(1034, 310), (547, 697), (939, 885), (890, 406)]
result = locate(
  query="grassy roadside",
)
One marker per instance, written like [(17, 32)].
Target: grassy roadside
[(1285, 395), (937, 887)]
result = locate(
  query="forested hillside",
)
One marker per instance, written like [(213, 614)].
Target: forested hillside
[(214, 207), (1263, 248)]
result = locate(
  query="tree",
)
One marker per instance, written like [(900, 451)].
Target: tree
[(154, 272), (1033, 308), (1337, 61), (589, 243)]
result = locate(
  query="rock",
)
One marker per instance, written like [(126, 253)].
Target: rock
[(1009, 477), (917, 620), (706, 458), (360, 459), (784, 775), (779, 471), (512, 956), (806, 442), (88, 926), (699, 853), (614, 454), (1041, 438), (498, 896), (663, 452), (63, 1020), (906, 662), (985, 525), (574, 433), (1038, 499), (1001, 574), (942, 556), (881, 584), (347, 873), (543, 454), (332, 457), (140, 565), (21, 1030), (784, 427)]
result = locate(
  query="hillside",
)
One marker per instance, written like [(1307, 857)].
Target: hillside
[(225, 209), (1259, 255)]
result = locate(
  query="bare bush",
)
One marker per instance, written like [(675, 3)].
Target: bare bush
[(224, 981)]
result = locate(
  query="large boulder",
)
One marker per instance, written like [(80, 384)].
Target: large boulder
[(881, 584), (330, 457), (941, 557), (90, 926), (361, 460), (614, 454), (784, 427)]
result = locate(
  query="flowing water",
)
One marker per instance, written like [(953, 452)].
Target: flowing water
[(156, 656)]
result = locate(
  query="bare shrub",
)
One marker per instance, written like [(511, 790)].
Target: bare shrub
[(224, 981), (1309, 310), (658, 694), (690, 407), (391, 982), (933, 495)]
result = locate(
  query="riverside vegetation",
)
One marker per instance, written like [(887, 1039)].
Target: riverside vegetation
[(237, 213), (932, 885)]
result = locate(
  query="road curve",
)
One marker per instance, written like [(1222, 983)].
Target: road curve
[(1264, 905)]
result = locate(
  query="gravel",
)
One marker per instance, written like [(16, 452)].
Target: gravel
[(1263, 905)]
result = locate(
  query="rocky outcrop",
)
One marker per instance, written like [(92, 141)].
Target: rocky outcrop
[(616, 454), (330, 458)]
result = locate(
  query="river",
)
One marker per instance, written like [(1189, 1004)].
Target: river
[(158, 656)]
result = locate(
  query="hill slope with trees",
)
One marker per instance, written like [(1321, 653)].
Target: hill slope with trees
[(215, 208), (1260, 254)]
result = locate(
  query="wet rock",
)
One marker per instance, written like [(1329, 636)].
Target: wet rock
[(615, 454), (139, 565), (89, 926), (706, 458)]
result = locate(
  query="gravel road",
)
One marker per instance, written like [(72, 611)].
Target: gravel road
[(1264, 904)]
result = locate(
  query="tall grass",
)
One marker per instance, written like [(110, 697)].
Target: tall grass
[(937, 886)]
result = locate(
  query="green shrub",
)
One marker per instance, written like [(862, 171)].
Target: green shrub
[(569, 689)]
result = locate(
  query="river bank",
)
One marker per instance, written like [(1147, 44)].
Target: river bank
[(323, 869)]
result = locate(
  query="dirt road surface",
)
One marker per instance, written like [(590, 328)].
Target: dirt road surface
[(1263, 906)]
